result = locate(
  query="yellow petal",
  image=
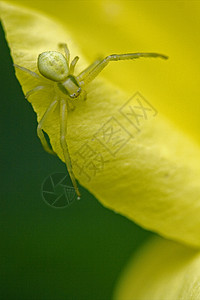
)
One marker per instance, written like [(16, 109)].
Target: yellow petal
[(143, 167), (171, 27), (161, 270)]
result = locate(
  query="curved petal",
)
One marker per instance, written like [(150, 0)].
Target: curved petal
[(171, 27), (161, 270), (126, 154)]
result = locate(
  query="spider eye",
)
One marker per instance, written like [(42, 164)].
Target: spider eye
[(53, 65), (76, 94)]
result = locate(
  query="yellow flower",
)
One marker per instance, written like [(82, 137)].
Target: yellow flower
[(135, 142), (162, 270), (150, 173)]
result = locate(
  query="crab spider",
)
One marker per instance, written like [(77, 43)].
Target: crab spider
[(55, 66)]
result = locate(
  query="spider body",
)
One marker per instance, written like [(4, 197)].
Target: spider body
[(70, 87), (55, 67)]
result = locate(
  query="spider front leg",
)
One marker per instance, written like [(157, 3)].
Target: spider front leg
[(63, 133), (87, 76), (86, 71), (40, 125)]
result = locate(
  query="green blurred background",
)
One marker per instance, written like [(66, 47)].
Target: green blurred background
[(47, 253)]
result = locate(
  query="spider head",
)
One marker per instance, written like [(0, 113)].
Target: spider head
[(70, 87), (53, 65), (76, 93)]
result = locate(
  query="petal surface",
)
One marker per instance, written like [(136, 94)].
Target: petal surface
[(124, 152), (161, 270), (169, 27)]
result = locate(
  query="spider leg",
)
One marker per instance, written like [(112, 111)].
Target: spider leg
[(28, 71), (88, 77), (37, 88), (66, 49), (83, 95), (40, 125), (73, 64), (86, 71), (63, 132)]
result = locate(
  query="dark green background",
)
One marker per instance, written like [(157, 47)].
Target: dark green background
[(46, 253)]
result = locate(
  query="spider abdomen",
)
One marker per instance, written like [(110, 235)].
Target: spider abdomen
[(53, 65)]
